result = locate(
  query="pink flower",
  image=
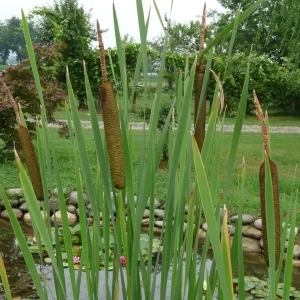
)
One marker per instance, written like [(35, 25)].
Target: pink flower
[(123, 261), (76, 260)]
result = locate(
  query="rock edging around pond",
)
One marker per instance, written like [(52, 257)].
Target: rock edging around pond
[(251, 228)]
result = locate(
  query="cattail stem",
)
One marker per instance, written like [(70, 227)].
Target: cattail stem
[(275, 187), (199, 122), (102, 53)]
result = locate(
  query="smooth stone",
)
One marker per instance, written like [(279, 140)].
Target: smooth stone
[(53, 205), (72, 219), (66, 191), (205, 226), (159, 213), (246, 219), (13, 203), (24, 207), (288, 233), (159, 224), (15, 193), (202, 234), (145, 222), (258, 224), (296, 263), (27, 217), (231, 229), (146, 213), (73, 198), (252, 232), (261, 243), (17, 212), (22, 201), (157, 204), (251, 245), (90, 221), (297, 251), (71, 209)]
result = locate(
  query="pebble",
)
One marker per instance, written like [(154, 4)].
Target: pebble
[(15, 193), (157, 204), (231, 229), (258, 224), (159, 224), (251, 245), (71, 209), (66, 191), (202, 234), (252, 232), (246, 219), (53, 205), (145, 222), (72, 219), (13, 203), (288, 233), (297, 251), (159, 213), (204, 226), (73, 197), (17, 212), (146, 213), (27, 217)]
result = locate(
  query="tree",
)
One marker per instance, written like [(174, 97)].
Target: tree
[(273, 28), (68, 24), (12, 39)]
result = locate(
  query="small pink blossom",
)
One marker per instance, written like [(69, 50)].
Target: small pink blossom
[(123, 261), (76, 260)]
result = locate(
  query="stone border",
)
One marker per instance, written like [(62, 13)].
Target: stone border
[(251, 228)]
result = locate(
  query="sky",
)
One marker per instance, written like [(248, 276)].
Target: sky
[(183, 11)]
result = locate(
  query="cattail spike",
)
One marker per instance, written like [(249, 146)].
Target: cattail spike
[(203, 28), (261, 118), (102, 53)]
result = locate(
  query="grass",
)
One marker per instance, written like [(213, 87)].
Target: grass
[(2, 67), (285, 152), (167, 96)]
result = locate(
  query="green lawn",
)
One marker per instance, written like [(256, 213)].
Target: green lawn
[(141, 103), (285, 151), (2, 67)]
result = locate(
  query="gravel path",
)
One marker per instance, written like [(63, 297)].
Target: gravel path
[(227, 128)]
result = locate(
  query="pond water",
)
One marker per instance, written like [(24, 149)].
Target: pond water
[(22, 286)]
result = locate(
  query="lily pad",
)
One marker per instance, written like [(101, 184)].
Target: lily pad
[(47, 260), (249, 285)]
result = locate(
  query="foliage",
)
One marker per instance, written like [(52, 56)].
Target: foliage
[(77, 246), (276, 85), (179, 255), (68, 24), (12, 39), (20, 81), (273, 29)]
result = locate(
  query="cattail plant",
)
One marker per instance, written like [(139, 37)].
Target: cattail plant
[(275, 187), (199, 121), (27, 147), (111, 122)]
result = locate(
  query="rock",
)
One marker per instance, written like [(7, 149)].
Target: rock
[(258, 224), (53, 205), (71, 209), (66, 191), (296, 263), (252, 232), (73, 197), (27, 217), (251, 245), (18, 213), (15, 193), (24, 207), (159, 213), (246, 219), (202, 234), (22, 201), (146, 213), (72, 219), (288, 233), (159, 224), (145, 222), (231, 229), (261, 243), (204, 226), (297, 251), (90, 221), (157, 204), (13, 203)]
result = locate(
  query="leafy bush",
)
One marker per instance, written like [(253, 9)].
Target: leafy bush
[(21, 83)]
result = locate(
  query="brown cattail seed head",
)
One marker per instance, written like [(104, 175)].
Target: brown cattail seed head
[(113, 134)]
